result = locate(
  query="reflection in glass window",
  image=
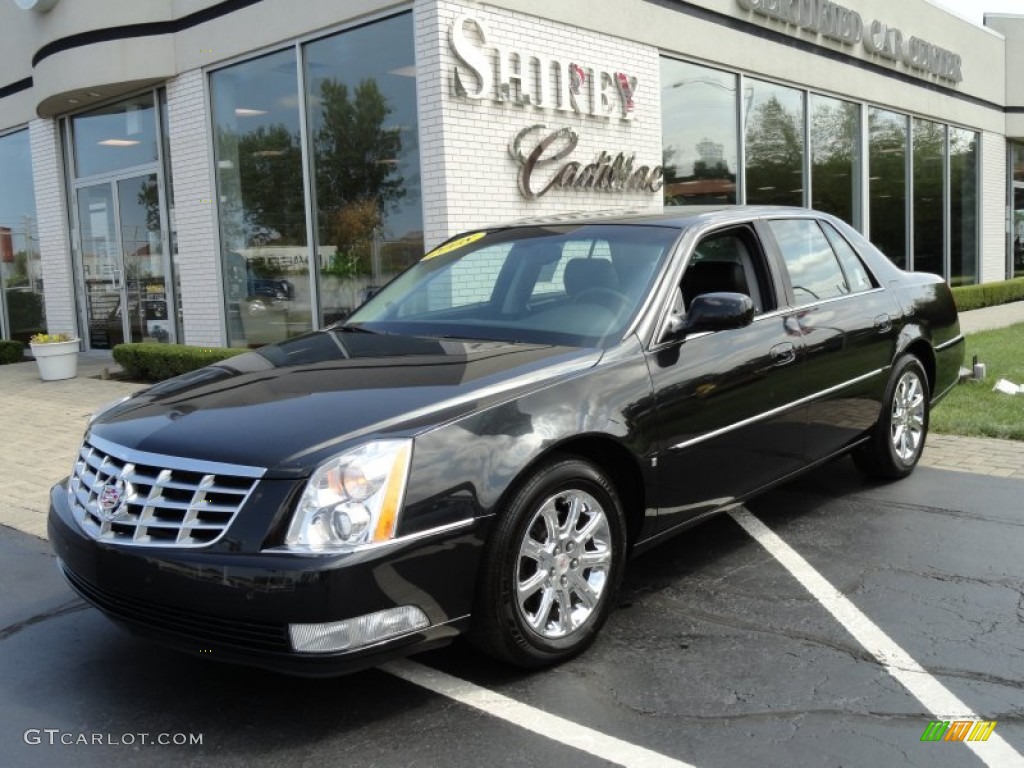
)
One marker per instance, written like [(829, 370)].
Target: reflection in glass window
[(856, 273), (262, 206), (814, 272), (1016, 265), (774, 129), (887, 188), (21, 275), (963, 203), (361, 101), (929, 142), (835, 157), (698, 108), (117, 136), (607, 271)]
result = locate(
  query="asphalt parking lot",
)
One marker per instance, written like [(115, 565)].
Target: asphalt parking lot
[(719, 655)]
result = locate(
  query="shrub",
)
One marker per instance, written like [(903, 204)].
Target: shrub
[(156, 362), (988, 294), (11, 352)]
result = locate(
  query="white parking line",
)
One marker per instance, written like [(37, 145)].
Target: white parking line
[(536, 720), (935, 697)]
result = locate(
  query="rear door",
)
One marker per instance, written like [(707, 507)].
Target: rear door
[(847, 324)]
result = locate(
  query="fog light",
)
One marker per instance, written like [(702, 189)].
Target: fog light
[(358, 632)]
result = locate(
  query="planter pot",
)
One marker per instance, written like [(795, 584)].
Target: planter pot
[(56, 361)]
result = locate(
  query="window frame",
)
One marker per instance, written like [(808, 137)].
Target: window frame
[(791, 302)]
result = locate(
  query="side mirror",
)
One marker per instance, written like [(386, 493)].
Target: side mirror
[(717, 312)]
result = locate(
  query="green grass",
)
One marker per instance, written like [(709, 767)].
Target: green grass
[(973, 408)]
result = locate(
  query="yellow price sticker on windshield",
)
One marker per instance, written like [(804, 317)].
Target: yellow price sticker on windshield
[(454, 245)]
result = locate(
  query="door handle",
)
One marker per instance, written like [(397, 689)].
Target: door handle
[(783, 354), (883, 323)]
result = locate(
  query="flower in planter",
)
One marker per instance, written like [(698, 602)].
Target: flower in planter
[(49, 338)]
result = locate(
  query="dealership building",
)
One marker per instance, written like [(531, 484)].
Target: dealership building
[(242, 171)]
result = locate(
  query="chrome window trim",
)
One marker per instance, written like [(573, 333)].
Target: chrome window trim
[(134, 456), (801, 307), (775, 411)]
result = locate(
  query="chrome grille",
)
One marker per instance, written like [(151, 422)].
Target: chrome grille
[(129, 497)]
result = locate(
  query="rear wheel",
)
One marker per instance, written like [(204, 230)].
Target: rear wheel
[(897, 440), (552, 567)]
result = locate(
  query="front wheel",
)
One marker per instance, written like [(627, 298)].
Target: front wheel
[(897, 440), (552, 566)]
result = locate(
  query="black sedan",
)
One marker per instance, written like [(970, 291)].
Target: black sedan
[(481, 447)]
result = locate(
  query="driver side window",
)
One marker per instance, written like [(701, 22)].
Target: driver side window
[(728, 261)]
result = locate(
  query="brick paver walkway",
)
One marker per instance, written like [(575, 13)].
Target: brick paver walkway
[(41, 427)]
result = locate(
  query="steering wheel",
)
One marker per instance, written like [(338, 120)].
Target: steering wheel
[(608, 298)]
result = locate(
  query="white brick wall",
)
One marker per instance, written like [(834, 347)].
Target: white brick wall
[(54, 241), (194, 204), (992, 264), (468, 177)]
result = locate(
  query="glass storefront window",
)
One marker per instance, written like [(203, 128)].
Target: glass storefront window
[(774, 129), (115, 137), (1015, 267), (963, 206), (835, 157), (257, 146), (22, 311), (929, 143), (698, 109), (363, 135), (887, 187)]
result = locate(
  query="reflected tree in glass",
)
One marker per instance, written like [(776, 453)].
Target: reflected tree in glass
[(775, 146), (21, 273), (698, 107), (887, 169), (963, 201), (363, 135), (261, 199), (929, 141), (357, 180), (835, 157)]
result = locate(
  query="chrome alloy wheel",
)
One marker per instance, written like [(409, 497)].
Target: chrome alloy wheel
[(908, 413), (563, 565)]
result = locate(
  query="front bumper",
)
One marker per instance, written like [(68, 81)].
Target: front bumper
[(236, 606)]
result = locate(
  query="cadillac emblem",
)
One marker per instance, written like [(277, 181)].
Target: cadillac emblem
[(112, 497)]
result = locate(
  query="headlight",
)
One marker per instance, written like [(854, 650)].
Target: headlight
[(352, 500)]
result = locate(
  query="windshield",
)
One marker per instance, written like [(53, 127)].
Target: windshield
[(576, 285)]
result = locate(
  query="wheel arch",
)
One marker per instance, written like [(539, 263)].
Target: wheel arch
[(922, 350), (613, 458)]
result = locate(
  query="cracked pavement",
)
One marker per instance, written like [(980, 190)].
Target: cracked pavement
[(715, 656)]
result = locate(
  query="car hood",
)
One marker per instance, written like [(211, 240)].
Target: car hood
[(287, 406)]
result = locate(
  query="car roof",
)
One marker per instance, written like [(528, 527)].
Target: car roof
[(682, 216)]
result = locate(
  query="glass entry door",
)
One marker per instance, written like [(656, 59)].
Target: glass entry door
[(122, 254)]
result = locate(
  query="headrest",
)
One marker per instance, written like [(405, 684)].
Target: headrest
[(581, 274)]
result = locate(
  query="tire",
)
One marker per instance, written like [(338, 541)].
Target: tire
[(551, 568), (898, 438)]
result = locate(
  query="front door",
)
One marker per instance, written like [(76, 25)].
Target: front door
[(124, 270), (730, 418)]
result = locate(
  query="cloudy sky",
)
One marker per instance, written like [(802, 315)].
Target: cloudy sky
[(974, 10)]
